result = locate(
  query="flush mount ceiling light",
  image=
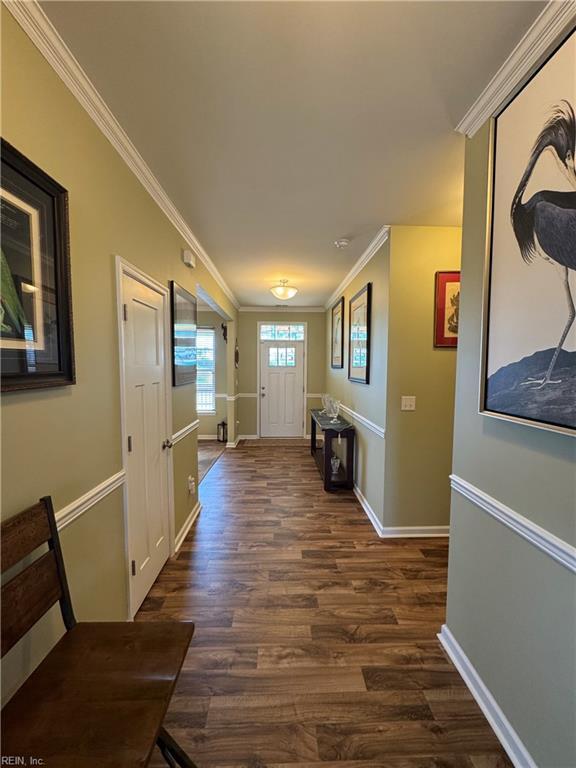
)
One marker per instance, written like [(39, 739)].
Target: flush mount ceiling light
[(284, 291), (342, 242)]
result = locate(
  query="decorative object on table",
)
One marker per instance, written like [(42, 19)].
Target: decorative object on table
[(325, 402), (529, 330), (184, 322), (446, 309), (333, 410), (335, 464), (359, 335), (337, 353), (343, 477), (222, 432), (36, 337)]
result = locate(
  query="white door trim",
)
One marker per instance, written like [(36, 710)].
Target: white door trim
[(125, 268), (258, 390)]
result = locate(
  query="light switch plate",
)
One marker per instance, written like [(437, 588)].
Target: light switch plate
[(408, 403)]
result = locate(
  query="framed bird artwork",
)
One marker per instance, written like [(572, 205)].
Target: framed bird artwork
[(529, 330), (36, 340)]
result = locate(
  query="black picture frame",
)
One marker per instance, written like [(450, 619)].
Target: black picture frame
[(36, 337), (339, 306), (360, 302), (183, 324), (517, 388)]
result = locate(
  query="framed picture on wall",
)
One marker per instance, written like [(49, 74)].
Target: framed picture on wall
[(446, 309), (359, 335), (36, 339), (184, 321), (529, 329), (337, 348)]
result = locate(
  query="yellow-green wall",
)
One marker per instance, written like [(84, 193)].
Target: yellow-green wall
[(419, 443), (247, 372), (65, 441)]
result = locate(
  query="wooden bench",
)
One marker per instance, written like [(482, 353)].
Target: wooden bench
[(100, 696)]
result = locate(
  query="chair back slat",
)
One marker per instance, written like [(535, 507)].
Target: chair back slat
[(35, 589), (24, 533), (27, 597)]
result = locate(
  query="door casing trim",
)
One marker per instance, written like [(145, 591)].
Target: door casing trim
[(258, 390), (125, 268)]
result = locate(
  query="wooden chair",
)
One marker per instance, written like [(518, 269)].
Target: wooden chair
[(100, 696)]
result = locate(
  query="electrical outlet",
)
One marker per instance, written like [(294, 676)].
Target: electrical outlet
[(408, 403), (191, 484)]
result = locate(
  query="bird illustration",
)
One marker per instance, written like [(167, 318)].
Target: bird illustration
[(545, 225)]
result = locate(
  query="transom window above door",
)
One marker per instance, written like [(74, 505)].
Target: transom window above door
[(282, 332), (282, 357)]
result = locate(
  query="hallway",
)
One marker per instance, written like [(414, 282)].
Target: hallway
[(315, 641)]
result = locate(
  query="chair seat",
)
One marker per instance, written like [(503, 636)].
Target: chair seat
[(100, 696)]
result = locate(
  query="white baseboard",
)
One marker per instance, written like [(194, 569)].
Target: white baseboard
[(399, 532), (207, 437), (248, 437), (506, 734), (191, 519), (233, 444)]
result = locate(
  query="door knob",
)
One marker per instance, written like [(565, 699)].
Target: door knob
[(167, 444)]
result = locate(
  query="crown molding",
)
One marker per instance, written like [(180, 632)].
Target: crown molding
[(265, 310), (371, 250), (539, 39), (45, 37)]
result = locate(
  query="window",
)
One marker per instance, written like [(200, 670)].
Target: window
[(282, 357), (282, 332), (206, 379)]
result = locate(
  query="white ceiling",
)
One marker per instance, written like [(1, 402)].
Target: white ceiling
[(277, 127)]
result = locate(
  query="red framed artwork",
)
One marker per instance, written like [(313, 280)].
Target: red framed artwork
[(446, 309)]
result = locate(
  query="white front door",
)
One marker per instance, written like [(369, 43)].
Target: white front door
[(281, 388), (145, 412)]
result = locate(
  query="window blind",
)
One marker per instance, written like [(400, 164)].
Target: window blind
[(206, 362)]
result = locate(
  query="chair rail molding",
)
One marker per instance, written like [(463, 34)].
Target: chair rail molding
[(503, 729), (188, 429), (41, 31), (372, 249), (547, 542), (82, 504), (544, 33), (380, 431)]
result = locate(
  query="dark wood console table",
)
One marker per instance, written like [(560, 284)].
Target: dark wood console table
[(344, 478)]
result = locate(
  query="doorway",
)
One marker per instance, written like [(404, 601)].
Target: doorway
[(281, 386), (146, 426)]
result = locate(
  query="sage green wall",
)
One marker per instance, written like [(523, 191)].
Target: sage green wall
[(247, 373), (510, 607), (208, 422), (66, 441), (367, 400), (419, 443)]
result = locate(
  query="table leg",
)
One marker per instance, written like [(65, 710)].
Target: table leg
[(312, 436), (328, 435)]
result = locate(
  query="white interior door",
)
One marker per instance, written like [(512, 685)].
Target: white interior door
[(281, 388), (146, 429)]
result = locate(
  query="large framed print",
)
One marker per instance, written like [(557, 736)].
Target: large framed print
[(337, 335), (529, 330), (36, 340), (184, 322), (359, 335), (446, 309)]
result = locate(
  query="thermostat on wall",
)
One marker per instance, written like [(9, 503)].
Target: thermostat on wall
[(188, 258)]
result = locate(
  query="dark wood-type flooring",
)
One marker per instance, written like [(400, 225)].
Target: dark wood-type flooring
[(209, 451), (315, 641)]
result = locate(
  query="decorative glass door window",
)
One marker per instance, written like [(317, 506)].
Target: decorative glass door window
[(282, 357), (282, 332)]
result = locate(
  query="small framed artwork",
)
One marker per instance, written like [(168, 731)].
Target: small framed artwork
[(529, 326), (36, 340), (184, 321), (337, 354), (359, 336), (446, 309)]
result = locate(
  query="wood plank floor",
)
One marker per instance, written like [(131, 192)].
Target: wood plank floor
[(315, 641), (209, 451)]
